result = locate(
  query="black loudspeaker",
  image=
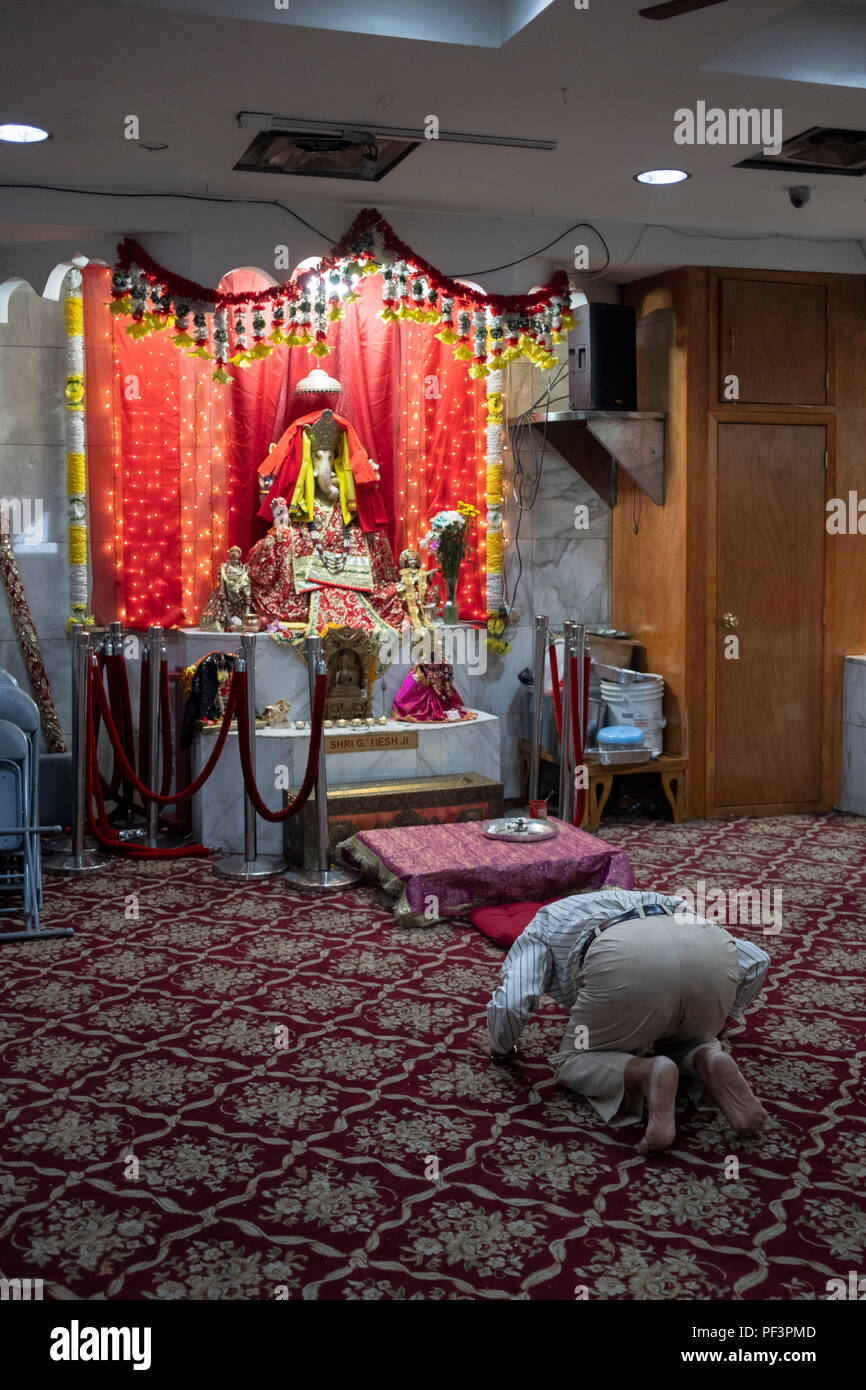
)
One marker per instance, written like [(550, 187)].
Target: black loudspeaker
[(602, 359)]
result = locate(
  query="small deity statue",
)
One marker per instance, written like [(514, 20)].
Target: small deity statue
[(327, 562), (227, 605), (350, 656), (206, 684), (347, 676), (413, 589), (277, 714), (428, 696)]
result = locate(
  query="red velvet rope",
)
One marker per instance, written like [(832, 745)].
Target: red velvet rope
[(127, 728), (129, 771), (577, 739), (98, 827), (130, 253), (312, 771), (580, 800), (557, 696), (106, 789), (108, 669)]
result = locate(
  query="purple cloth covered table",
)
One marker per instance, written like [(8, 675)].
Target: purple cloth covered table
[(437, 871)]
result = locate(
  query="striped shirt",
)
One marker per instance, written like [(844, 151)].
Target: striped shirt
[(543, 959)]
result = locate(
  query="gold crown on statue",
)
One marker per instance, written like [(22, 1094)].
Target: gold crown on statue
[(324, 433)]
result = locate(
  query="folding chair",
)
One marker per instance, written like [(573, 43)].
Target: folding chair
[(19, 836), (19, 709)]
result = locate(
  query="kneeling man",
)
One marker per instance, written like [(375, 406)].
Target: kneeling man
[(649, 986)]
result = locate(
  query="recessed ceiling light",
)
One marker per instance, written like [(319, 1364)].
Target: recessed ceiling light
[(662, 176), (17, 134)]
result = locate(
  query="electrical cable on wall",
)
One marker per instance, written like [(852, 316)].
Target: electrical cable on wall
[(509, 265), (284, 207), (521, 434)]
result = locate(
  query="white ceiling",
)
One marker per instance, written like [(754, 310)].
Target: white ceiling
[(823, 41), (487, 23), (602, 82)]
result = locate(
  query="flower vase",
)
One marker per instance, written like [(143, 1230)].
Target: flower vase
[(450, 609)]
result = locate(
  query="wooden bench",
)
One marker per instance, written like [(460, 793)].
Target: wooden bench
[(672, 768)]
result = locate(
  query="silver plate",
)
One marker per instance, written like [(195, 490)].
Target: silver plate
[(619, 674), (625, 756), (520, 829)]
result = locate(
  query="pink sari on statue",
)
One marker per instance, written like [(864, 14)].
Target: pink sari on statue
[(428, 696)]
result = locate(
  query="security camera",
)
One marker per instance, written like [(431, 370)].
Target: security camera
[(799, 195)]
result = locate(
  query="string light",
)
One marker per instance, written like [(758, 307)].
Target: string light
[(175, 476)]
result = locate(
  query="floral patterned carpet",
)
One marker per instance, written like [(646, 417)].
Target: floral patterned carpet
[(251, 1094)]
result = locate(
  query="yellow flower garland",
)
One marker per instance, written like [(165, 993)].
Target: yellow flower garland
[(76, 459)]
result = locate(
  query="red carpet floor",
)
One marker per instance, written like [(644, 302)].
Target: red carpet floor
[(249, 1094)]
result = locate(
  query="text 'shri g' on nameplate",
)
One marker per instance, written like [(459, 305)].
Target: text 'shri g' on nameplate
[(371, 742)]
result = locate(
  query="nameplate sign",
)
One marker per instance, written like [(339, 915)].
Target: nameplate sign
[(371, 742)]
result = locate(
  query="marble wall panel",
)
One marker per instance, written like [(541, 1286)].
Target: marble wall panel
[(570, 579), (32, 409), (560, 490), (854, 700), (854, 769), (33, 473)]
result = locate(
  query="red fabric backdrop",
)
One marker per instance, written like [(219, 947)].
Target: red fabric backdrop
[(173, 462), (157, 492), (364, 361), (441, 450)]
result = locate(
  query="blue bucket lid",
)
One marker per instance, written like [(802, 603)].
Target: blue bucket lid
[(621, 736)]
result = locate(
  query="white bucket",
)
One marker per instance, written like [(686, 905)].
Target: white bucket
[(638, 703)]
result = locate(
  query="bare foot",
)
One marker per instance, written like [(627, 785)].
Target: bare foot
[(656, 1079), (723, 1080)]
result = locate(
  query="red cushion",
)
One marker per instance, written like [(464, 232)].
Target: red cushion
[(503, 924)]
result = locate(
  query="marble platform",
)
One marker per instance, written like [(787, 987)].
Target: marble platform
[(484, 681), (854, 736), (281, 760)]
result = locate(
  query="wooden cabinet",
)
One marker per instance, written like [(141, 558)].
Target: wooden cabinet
[(743, 529), (772, 342)]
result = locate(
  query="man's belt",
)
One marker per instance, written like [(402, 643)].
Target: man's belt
[(633, 914)]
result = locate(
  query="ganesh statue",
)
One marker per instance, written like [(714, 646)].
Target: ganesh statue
[(326, 562)]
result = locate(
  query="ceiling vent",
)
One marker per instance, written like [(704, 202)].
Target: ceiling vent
[(818, 150), (349, 155)]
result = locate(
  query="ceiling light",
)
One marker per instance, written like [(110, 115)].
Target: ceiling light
[(662, 176), (16, 134)]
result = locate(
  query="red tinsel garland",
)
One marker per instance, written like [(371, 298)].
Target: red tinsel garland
[(129, 254)]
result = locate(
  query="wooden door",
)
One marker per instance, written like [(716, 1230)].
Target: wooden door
[(773, 339), (770, 532)]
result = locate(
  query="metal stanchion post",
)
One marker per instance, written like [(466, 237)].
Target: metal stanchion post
[(566, 743), (154, 651), (325, 878), (249, 865), (113, 644), (537, 703), (580, 648), (78, 860)]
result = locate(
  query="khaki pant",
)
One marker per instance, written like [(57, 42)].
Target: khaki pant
[(650, 984)]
